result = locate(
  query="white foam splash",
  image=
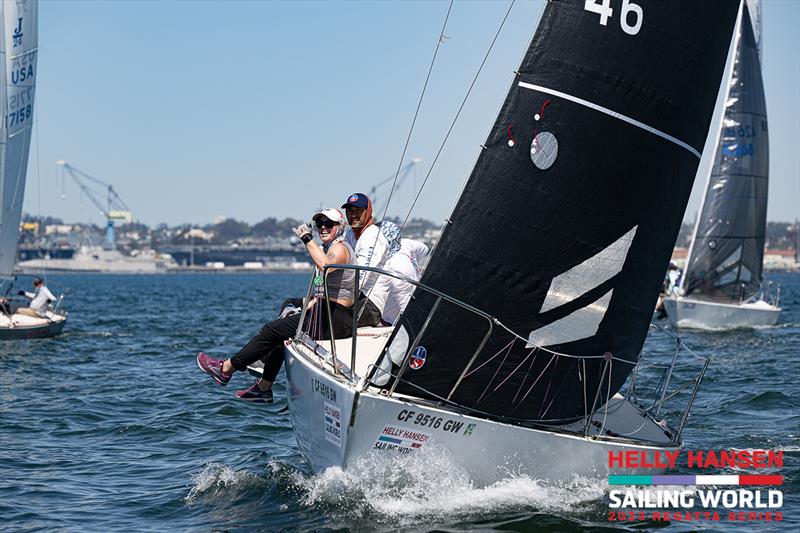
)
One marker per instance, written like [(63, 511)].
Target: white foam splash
[(428, 484), (215, 477)]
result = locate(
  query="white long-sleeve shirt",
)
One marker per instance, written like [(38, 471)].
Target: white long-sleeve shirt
[(40, 299), (371, 250), (408, 262)]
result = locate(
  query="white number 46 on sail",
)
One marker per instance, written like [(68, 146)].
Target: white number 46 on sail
[(603, 8)]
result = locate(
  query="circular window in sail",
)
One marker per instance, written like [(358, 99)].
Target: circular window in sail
[(544, 150)]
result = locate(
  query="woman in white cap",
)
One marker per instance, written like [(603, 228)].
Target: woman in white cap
[(268, 344)]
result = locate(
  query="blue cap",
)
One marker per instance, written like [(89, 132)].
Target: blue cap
[(357, 200)]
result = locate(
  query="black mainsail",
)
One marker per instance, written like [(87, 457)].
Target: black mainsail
[(568, 219), (727, 251)]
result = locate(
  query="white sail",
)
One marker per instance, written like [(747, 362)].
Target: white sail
[(19, 42)]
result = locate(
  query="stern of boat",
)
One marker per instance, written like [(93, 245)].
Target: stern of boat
[(700, 314)]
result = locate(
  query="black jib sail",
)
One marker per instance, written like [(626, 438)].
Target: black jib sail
[(725, 263), (567, 222)]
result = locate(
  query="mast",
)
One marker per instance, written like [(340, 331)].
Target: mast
[(571, 210)]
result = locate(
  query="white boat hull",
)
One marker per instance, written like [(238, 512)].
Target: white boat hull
[(335, 426), (13, 327), (691, 313)]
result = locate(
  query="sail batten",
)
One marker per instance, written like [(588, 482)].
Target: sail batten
[(592, 156)]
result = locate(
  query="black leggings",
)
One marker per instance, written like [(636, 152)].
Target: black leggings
[(268, 344)]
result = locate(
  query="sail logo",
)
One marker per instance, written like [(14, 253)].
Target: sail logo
[(573, 284), (17, 36), (418, 358)]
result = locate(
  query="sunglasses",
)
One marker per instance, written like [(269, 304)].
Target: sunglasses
[(326, 224)]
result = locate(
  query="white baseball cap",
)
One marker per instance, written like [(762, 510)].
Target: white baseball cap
[(331, 214)]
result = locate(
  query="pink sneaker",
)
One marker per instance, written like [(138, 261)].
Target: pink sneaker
[(213, 367), (254, 394)]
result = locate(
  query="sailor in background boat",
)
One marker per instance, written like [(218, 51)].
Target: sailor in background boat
[(40, 299), (267, 346), (371, 249), (672, 283)]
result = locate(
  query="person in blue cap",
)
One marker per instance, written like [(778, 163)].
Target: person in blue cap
[(371, 249)]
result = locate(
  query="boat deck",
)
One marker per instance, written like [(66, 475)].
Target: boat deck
[(369, 344)]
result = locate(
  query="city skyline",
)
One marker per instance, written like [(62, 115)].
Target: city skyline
[(272, 109)]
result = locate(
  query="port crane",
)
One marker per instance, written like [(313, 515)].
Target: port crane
[(382, 190), (114, 207)]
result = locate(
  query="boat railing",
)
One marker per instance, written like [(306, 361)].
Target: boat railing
[(676, 372), (304, 328), (56, 307), (670, 384), (765, 294)]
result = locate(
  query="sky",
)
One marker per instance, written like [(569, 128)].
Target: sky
[(247, 110)]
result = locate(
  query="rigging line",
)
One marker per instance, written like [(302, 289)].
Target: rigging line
[(419, 105), (525, 378), (485, 390), (542, 414), (408, 140), (554, 357), (608, 395), (468, 374), (39, 186), (458, 113)]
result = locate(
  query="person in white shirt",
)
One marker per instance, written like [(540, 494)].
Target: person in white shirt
[(409, 262), (372, 249), (40, 299)]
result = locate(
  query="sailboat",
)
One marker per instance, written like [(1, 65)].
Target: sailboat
[(722, 285), (19, 41), (537, 298)]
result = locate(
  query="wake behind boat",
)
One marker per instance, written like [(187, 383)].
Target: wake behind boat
[(536, 302), (722, 286)]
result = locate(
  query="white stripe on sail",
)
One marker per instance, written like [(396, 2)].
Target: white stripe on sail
[(611, 113), (581, 324), (595, 271)]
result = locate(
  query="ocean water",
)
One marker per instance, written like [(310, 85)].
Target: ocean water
[(111, 426)]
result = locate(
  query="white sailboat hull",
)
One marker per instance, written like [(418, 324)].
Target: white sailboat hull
[(691, 313), (15, 326), (335, 426)]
